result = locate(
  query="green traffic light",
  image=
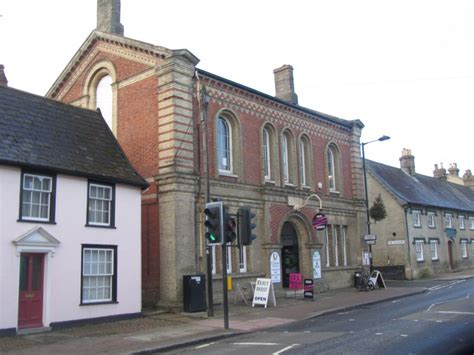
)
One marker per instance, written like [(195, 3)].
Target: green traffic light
[(212, 237)]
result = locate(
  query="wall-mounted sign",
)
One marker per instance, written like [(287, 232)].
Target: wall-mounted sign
[(320, 221), (396, 242), (370, 237), (316, 265), (275, 267)]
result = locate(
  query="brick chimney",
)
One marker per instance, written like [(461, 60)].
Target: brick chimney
[(284, 84), (108, 17), (407, 162), (3, 78), (440, 173)]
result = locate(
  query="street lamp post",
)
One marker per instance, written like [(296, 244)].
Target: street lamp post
[(381, 139)]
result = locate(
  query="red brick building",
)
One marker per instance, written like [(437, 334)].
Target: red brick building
[(264, 152)]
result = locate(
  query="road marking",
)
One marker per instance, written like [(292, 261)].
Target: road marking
[(439, 321), (351, 320), (395, 301), (403, 335), (257, 344), (435, 304), (203, 346), (378, 333), (307, 331), (285, 349), (467, 297), (415, 320), (454, 312), (450, 285)]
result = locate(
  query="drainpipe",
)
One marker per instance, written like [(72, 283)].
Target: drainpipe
[(408, 242)]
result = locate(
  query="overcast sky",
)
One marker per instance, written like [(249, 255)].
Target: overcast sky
[(404, 68)]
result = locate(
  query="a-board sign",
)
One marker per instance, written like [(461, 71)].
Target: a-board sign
[(296, 281), (308, 291), (261, 292), (320, 221)]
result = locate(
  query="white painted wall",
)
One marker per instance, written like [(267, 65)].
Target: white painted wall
[(63, 270)]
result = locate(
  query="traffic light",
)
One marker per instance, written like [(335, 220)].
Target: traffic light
[(229, 229), (214, 223), (246, 226)]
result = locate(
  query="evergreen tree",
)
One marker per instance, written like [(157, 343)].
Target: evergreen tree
[(377, 211)]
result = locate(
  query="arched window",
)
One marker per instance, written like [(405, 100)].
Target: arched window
[(304, 162), (104, 98), (266, 154), (224, 145), (333, 168), (284, 158), (99, 91)]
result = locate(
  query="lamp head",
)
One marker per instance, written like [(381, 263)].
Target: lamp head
[(384, 138)]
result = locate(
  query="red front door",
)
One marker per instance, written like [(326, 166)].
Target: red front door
[(30, 312)]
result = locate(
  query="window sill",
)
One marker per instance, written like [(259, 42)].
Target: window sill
[(97, 303), (289, 184), (419, 227), (306, 187), (435, 260), (99, 226), (269, 182), (420, 261), (34, 221), (227, 174), (335, 192)]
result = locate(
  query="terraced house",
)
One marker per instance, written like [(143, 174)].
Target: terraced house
[(70, 216), (182, 126), (429, 227)]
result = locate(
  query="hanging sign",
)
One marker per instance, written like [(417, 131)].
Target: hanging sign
[(316, 265), (320, 221), (275, 267)]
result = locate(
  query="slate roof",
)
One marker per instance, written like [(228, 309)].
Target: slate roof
[(421, 189), (41, 133)]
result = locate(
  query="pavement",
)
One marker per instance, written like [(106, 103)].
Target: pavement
[(161, 331)]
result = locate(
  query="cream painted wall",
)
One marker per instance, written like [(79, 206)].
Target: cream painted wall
[(63, 269)]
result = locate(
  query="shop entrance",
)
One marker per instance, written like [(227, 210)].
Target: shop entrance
[(289, 252)]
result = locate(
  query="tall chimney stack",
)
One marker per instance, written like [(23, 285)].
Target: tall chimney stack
[(3, 78), (108, 17), (407, 162), (284, 84), (453, 170)]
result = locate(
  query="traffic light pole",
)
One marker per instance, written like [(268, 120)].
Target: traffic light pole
[(210, 301), (224, 285)]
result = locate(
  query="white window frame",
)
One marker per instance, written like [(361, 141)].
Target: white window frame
[(266, 154), (107, 274), (336, 246), (284, 156), (229, 257), (416, 218), (303, 172), (99, 205), (434, 249), (448, 220), (431, 220), (462, 224), (331, 170), (326, 236), (471, 220), (214, 266), (419, 250), (44, 194), (243, 259), (344, 243), (221, 151), (464, 249)]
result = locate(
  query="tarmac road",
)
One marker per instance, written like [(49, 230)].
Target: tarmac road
[(440, 321)]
